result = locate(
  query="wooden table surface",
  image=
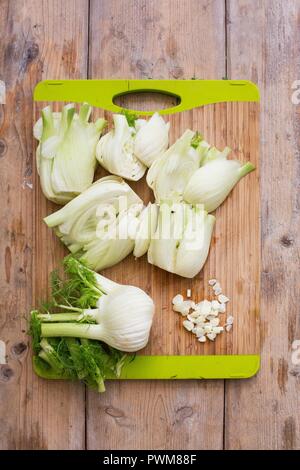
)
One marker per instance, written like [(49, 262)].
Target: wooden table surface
[(238, 39)]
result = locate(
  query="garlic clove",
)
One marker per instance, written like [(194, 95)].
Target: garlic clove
[(202, 339), (177, 299), (223, 299), (211, 336), (188, 325)]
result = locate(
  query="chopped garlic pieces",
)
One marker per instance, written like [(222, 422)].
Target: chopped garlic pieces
[(222, 308), (223, 299), (202, 339), (184, 307), (178, 308), (199, 331), (188, 325), (218, 329), (202, 319), (216, 285), (199, 320), (190, 317), (193, 316), (211, 336), (215, 305), (178, 299), (204, 307), (207, 328), (215, 321)]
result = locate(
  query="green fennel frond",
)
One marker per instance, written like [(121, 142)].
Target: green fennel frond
[(35, 331), (77, 287), (130, 116), (196, 140)]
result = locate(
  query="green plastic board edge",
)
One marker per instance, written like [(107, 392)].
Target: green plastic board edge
[(180, 367), (189, 93), (191, 367)]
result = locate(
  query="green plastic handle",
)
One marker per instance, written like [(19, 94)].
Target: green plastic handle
[(189, 93)]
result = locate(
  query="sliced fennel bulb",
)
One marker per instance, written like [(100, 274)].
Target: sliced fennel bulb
[(152, 139), (212, 182), (194, 246), (97, 223), (146, 228), (169, 173), (181, 242), (114, 244), (66, 154), (115, 151)]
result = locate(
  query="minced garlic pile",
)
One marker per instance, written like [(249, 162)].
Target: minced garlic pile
[(202, 319)]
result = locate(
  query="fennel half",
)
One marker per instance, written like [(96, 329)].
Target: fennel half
[(212, 182), (169, 173), (182, 239), (97, 223), (66, 154)]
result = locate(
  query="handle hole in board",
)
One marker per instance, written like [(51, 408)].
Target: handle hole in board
[(146, 100)]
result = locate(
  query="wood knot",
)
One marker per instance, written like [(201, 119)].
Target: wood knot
[(282, 374), (183, 413), (286, 241), (114, 412), (289, 434), (3, 148), (19, 348), (32, 52), (6, 373)]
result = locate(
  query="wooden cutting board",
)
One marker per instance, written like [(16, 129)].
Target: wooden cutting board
[(226, 113)]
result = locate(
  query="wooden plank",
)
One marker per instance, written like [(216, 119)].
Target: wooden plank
[(263, 45), (159, 39), (39, 39)]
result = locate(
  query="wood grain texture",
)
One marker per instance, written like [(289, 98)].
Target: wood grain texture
[(263, 45), (157, 39), (39, 39), (140, 39)]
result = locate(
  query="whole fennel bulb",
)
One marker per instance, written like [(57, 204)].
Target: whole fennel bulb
[(182, 239), (115, 151), (152, 139), (122, 317), (66, 154), (97, 223), (212, 182)]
